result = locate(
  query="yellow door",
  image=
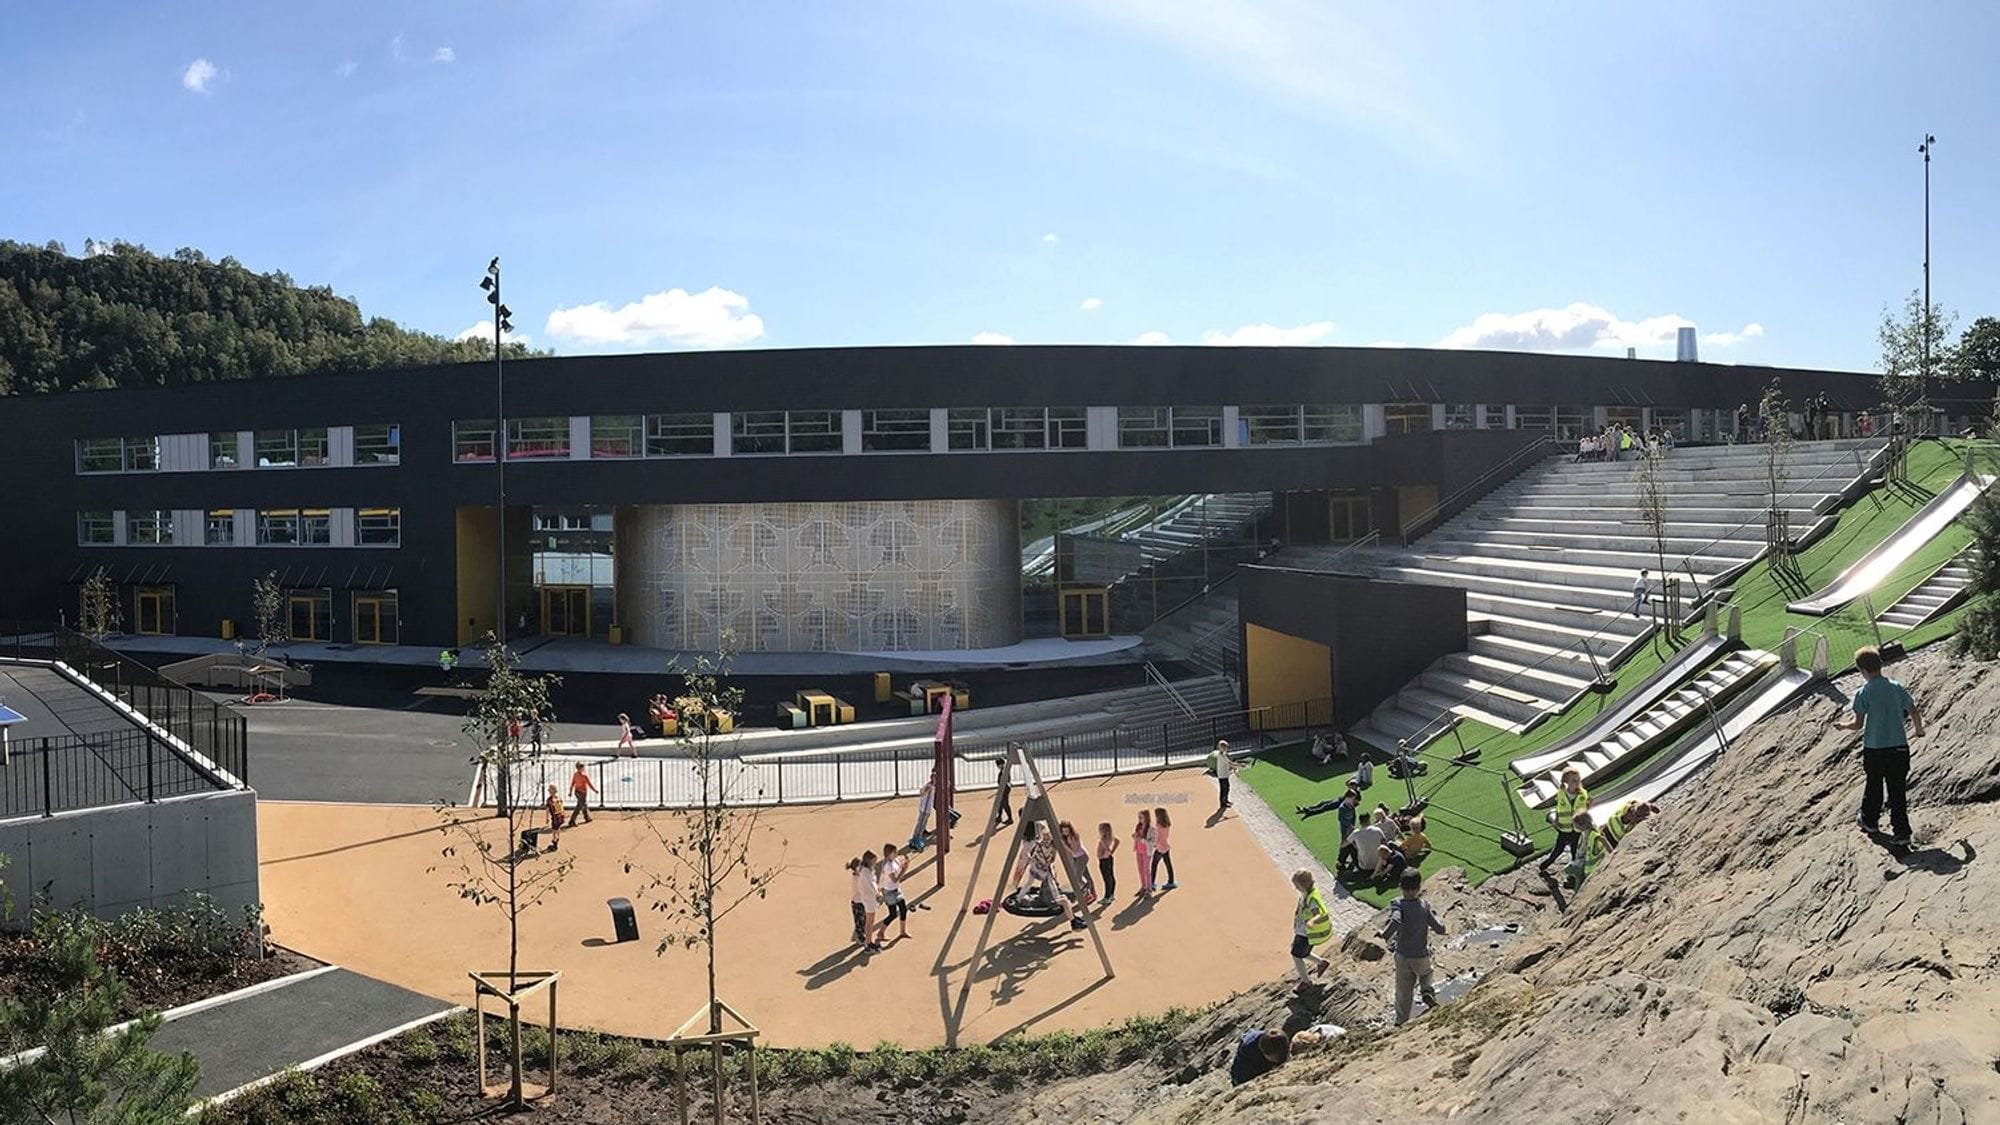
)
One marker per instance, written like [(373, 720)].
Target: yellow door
[(374, 620), (306, 617)]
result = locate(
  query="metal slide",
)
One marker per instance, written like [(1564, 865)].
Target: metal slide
[(1664, 680), (1681, 761), (1875, 567)]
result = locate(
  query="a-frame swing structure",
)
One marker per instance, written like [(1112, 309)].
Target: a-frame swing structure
[(1037, 810)]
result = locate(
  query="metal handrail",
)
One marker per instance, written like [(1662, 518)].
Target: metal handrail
[(1416, 528), (1154, 674), (1686, 558)]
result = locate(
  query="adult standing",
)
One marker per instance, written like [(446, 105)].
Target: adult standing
[(1879, 711), (1223, 767), (1571, 799), (1639, 592), (1411, 923)]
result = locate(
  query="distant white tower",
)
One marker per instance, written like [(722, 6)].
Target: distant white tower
[(1684, 347)]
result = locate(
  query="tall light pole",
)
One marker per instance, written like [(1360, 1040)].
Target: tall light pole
[(501, 325), (1929, 143)]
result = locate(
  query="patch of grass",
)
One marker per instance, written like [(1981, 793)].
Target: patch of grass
[(1469, 808)]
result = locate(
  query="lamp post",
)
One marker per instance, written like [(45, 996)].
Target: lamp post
[(1929, 142), (501, 325)]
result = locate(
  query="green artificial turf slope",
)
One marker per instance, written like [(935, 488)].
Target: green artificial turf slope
[(1469, 807)]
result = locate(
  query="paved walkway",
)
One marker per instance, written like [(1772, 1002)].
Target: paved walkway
[(304, 1019), (1291, 854)]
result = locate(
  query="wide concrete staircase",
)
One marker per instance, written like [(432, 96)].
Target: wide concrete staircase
[(1548, 563), (1207, 696), (1205, 632), (1933, 596)]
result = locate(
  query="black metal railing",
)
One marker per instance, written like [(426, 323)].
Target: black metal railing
[(211, 730), (45, 776)]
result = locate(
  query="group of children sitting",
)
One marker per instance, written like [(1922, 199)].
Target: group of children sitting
[(1379, 851), (1616, 441)]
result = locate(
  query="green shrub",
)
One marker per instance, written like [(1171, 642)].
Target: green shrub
[(803, 1067), (359, 1096), (839, 1059), (426, 1104), (418, 1048)]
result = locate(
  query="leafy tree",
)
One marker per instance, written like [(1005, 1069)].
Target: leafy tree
[(267, 603), (1979, 630), (714, 853), (85, 1076), (1776, 411), (1978, 351), (99, 605), (1916, 346), (486, 871), (122, 316)]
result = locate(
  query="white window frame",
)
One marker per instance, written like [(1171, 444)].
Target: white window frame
[(896, 431), (366, 453), (378, 527), (99, 518), (663, 431), (474, 433)]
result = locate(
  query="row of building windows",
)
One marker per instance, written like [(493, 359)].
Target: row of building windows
[(376, 615), (379, 443), (274, 527)]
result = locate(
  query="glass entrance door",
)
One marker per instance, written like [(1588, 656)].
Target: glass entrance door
[(309, 617), (156, 610), (1085, 612), (375, 618), (566, 611)]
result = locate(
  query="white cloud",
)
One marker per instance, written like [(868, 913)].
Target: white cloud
[(92, 248), (444, 55), (1051, 238), (483, 330), (1152, 336), (712, 318), (1724, 339), (1091, 304), (992, 338), (347, 69), (1270, 335), (199, 76), (1577, 327), (1388, 344)]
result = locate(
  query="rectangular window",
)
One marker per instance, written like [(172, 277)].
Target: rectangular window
[(617, 435), (1020, 427), (1269, 425), (100, 455), (813, 431), (277, 449), (1575, 421), (1407, 417), (1534, 417), (222, 450), (472, 441), (142, 454), (1496, 417), (968, 428), (1197, 426), (378, 444), (895, 431), (680, 435), (531, 439), (219, 527), (96, 529), (1673, 422), (1143, 427), (312, 447), (379, 527), (1333, 424), (757, 431), (1458, 416), (278, 527), (150, 527), (315, 527), (1069, 427)]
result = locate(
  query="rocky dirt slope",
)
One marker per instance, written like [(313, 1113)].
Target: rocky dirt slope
[(1751, 956)]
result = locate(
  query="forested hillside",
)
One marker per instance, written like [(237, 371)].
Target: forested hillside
[(122, 316)]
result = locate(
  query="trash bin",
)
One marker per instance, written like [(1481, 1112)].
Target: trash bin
[(624, 922), (882, 689), (228, 629)]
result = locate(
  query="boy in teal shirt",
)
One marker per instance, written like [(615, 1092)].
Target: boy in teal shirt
[(1879, 710)]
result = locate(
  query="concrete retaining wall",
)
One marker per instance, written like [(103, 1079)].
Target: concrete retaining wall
[(111, 860)]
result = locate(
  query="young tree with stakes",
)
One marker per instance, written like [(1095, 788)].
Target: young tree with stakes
[(100, 606), (86, 1072), (1652, 497), (716, 852), (267, 603), (495, 872), (1777, 471), (1915, 348)]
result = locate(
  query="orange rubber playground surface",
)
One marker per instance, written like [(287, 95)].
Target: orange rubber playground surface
[(354, 885)]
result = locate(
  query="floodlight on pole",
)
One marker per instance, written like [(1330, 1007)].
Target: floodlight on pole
[(501, 325), (1929, 142)]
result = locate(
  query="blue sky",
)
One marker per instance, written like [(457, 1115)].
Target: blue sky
[(1559, 176)]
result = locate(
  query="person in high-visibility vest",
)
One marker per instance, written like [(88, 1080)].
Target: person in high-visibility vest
[(1623, 821), (1571, 798), (1312, 925)]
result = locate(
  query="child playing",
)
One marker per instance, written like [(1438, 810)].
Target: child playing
[(1312, 924), (889, 878), (1107, 857), (866, 894), (625, 734), (1162, 849), (1142, 844)]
